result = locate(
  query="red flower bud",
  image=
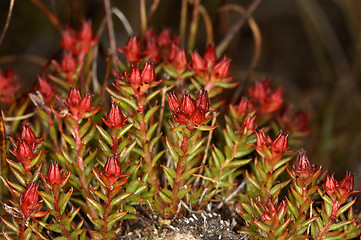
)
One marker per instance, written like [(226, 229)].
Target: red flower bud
[(29, 199), (279, 145), (173, 102), (86, 103), (260, 91), (53, 176), (202, 101), (261, 138), (210, 55), (197, 117), (148, 73), (188, 105), (23, 150), (68, 63), (68, 40), (115, 117), (243, 108), (152, 50), (132, 50), (134, 77), (198, 63), (180, 60), (112, 169), (250, 125), (28, 134), (85, 32), (74, 97), (45, 89), (346, 184), (221, 69), (331, 186), (172, 52), (164, 39)]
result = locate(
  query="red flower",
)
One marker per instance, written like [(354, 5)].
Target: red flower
[(279, 145), (304, 170), (221, 69), (199, 65), (53, 176), (243, 107), (132, 50), (164, 38), (346, 185), (210, 56), (112, 169), (249, 125), (23, 151), (115, 117), (68, 63), (28, 134), (8, 86), (261, 139), (80, 107), (152, 50), (188, 111), (202, 101), (29, 202), (174, 102), (135, 79), (188, 105), (68, 40), (148, 74), (263, 100), (271, 150), (46, 90)]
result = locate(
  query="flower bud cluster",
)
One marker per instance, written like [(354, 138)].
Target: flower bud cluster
[(188, 111)]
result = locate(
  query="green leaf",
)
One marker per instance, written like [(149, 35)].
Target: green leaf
[(152, 95), (10, 225), (104, 134), (156, 157), (170, 70), (35, 160), (69, 140), (239, 163), (100, 195), (119, 198), (86, 139), (90, 158), (83, 130), (183, 192), (164, 197), (18, 176), (195, 147), (130, 102), (115, 217), (206, 128), (170, 175), (64, 200), (151, 130), (125, 129), (279, 186), (52, 227), (96, 205), (150, 113), (17, 166), (133, 185), (345, 207), (172, 152)]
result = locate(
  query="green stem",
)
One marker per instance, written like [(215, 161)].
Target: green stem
[(183, 20), (143, 17), (194, 25)]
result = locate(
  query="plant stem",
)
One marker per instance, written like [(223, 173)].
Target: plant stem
[(59, 217), (236, 27), (111, 34), (178, 182), (143, 17), (193, 25)]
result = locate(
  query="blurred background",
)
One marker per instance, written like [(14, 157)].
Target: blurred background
[(311, 48)]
